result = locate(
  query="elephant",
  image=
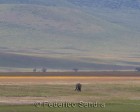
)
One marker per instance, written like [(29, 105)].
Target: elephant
[(78, 87)]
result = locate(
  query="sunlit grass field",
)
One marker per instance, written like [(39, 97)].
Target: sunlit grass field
[(116, 94), (109, 108), (116, 97)]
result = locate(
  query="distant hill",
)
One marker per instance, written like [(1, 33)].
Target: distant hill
[(110, 4), (97, 32), (88, 3)]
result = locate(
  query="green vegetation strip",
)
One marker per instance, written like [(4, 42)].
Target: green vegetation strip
[(110, 107)]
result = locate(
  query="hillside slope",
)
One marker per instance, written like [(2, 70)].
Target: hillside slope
[(91, 31)]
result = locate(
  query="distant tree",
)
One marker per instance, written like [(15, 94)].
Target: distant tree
[(138, 69), (34, 70), (44, 69), (75, 69)]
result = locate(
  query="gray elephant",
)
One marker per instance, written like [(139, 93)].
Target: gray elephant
[(78, 87)]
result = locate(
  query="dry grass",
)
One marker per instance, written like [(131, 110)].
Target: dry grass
[(29, 89)]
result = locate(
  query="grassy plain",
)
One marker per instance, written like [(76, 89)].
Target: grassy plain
[(118, 93)]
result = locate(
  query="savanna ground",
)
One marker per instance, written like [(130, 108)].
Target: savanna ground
[(29, 92)]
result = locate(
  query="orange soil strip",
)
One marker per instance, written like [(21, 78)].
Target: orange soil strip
[(63, 78)]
